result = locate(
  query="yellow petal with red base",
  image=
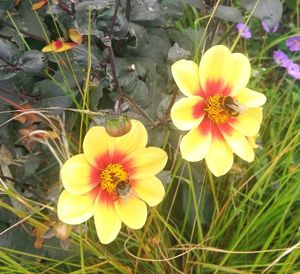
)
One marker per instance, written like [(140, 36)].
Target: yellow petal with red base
[(76, 175), (150, 190), (107, 221), (97, 143), (219, 158), (132, 211), (58, 46), (75, 209), (195, 144), (214, 65), (39, 4), (146, 162), (188, 112), (221, 71), (66, 46), (238, 143), (186, 76), (248, 121), (250, 98), (135, 139)]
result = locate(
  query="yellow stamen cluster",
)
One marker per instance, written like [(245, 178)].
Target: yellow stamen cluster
[(111, 176), (215, 109)]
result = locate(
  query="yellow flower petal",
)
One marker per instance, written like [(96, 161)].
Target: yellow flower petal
[(186, 76), (135, 139), (195, 144), (219, 68), (219, 158), (76, 175), (107, 221), (132, 211), (214, 65), (150, 190), (239, 72), (188, 112), (248, 122), (39, 4), (96, 143), (75, 36), (250, 98), (75, 209), (146, 162), (48, 48), (252, 141), (238, 144)]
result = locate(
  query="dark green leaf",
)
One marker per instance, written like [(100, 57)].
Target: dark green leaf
[(147, 12), (53, 95), (157, 46), (33, 61), (139, 34), (8, 54), (6, 72), (93, 5), (13, 36), (80, 54), (8, 51), (268, 10), (231, 14), (95, 95), (82, 19), (182, 39), (175, 9), (176, 53), (157, 87), (164, 176), (163, 105), (103, 23), (28, 21)]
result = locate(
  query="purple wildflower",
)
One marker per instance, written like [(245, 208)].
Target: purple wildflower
[(281, 58), (294, 70), (244, 30), (267, 28), (293, 43)]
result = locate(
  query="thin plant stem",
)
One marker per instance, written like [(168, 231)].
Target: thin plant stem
[(213, 191), (87, 84), (246, 23)]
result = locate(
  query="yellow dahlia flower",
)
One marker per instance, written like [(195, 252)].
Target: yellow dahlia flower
[(219, 110), (112, 180)]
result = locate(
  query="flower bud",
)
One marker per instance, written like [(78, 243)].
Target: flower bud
[(117, 126), (62, 231)]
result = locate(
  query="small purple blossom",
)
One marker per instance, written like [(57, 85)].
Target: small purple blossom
[(244, 30), (267, 28), (280, 58), (293, 43), (294, 70)]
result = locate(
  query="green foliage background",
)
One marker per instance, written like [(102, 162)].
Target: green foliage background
[(244, 222)]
